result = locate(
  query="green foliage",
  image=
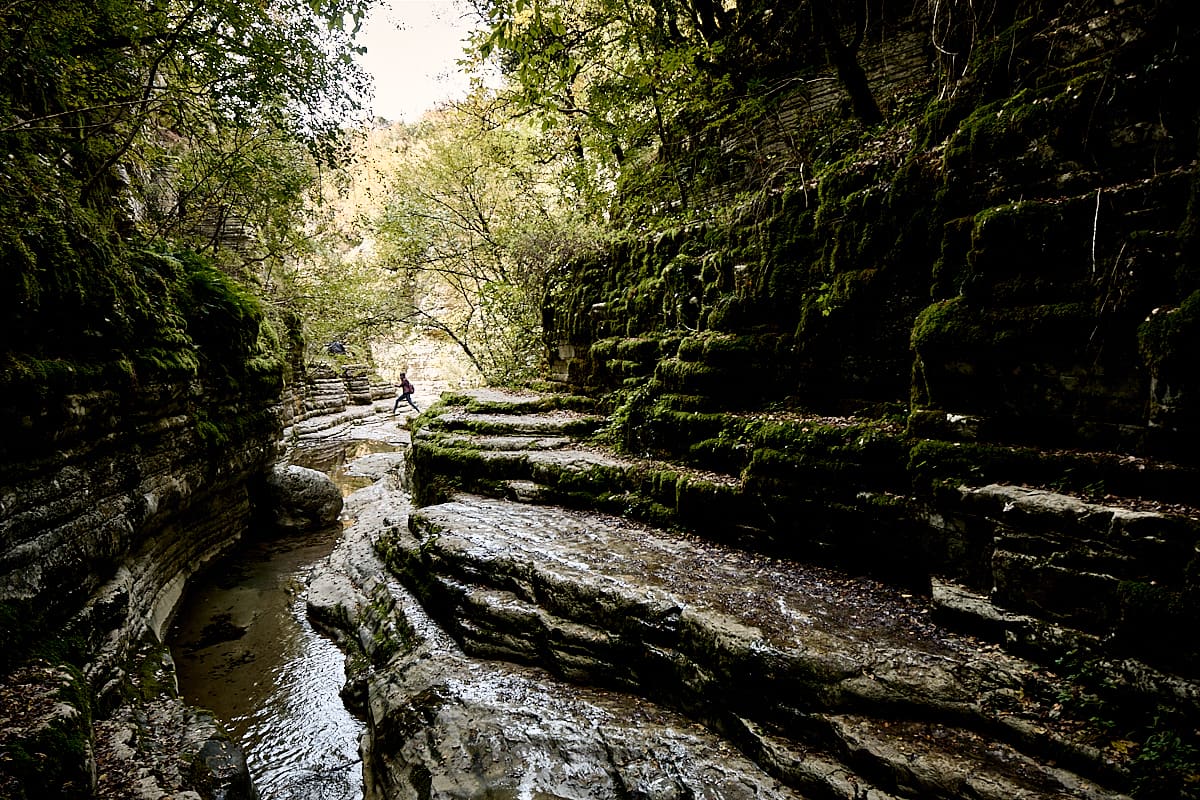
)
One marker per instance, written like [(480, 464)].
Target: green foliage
[(668, 96), (1166, 766), (1165, 763), (471, 237), (129, 130), (1170, 338)]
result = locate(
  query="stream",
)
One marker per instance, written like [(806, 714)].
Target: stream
[(244, 649)]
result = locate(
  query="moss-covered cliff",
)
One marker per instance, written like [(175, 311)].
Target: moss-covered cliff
[(141, 403), (1008, 261), (1016, 244), (139, 394), (996, 286)]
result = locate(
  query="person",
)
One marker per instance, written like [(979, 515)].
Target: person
[(405, 392)]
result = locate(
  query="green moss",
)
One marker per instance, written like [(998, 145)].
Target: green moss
[(55, 758), (948, 324), (628, 369), (1000, 131), (53, 762), (534, 405), (1169, 339), (1041, 332), (692, 377), (718, 453), (209, 434), (932, 461)]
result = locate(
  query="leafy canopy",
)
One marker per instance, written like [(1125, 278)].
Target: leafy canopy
[(469, 228), (171, 125)]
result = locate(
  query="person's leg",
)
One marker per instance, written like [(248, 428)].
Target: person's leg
[(396, 404), (414, 405)]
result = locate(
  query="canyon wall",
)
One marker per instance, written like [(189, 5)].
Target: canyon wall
[(956, 351), (113, 498)]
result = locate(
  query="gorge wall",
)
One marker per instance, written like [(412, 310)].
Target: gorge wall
[(136, 422), (998, 286), (141, 416), (956, 351)]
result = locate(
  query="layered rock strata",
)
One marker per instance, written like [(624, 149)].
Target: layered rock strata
[(99, 538), (444, 724), (831, 684)]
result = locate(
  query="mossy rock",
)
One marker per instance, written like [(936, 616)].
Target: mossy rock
[(1027, 360), (1041, 247), (54, 757), (1151, 617), (1169, 341), (691, 377)]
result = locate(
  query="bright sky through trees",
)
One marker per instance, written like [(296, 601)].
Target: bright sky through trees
[(412, 47)]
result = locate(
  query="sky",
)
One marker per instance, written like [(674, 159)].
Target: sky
[(412, 46)]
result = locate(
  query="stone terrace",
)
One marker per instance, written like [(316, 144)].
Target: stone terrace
[(832, 683)]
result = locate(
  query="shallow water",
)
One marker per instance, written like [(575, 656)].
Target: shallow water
[(244, 649)]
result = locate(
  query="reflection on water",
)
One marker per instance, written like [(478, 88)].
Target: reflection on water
[(244, 649), (333, 458)]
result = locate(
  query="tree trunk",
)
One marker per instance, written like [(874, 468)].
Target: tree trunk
[(848, 69)]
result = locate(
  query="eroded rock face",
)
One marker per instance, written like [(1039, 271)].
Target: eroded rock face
[(843, 670), (543, 651), (829, 683), (301, 499), (98, 537), (165, 749), (444, 725)]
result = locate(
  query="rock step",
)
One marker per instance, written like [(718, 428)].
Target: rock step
[(488, 728), (510, 442), (1110, 579), (1114, 570), (548, 423), (1022, 633), (486, 399), (558, 469), (911, 759), (725, 634)]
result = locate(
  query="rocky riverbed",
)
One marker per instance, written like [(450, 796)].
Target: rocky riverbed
[(499, 648)]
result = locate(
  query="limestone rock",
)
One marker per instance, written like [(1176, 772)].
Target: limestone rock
[(726, 635), (443, 725), (301, 499)]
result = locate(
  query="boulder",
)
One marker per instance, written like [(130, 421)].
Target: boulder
[(301, 499)]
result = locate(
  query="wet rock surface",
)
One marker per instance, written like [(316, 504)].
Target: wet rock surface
[(444, 724), (515, 650), (729, 636), (302, 499)]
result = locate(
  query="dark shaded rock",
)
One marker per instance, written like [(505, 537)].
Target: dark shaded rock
[(302, 499), (220, 772), (45, 735)]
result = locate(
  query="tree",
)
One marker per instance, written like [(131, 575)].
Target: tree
[(671, 77), (469, 226), (453, 236), (172, 124)]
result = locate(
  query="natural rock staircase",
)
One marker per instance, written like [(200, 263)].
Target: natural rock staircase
[(836, 686)]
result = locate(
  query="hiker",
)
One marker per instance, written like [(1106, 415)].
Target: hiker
[(405, 392)]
